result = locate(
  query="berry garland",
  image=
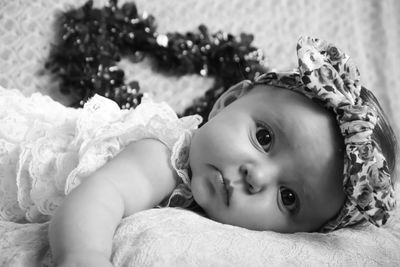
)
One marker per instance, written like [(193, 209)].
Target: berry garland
[(91, 41)]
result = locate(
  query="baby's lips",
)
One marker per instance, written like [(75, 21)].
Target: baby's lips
[(229, 189)]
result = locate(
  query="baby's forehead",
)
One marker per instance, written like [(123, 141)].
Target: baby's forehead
[(274, 89), (285, 95)]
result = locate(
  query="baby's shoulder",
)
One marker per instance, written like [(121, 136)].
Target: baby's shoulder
[(142, 169), (149, 155)]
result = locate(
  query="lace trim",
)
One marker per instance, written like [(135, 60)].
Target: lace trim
[(182, 194)]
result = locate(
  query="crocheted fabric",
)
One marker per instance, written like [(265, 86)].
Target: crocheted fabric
[(27, 33)]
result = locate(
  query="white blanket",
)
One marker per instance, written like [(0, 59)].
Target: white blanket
[(176, 237), (367, 29)]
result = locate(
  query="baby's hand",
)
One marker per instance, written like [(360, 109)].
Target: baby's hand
[(86, 259)]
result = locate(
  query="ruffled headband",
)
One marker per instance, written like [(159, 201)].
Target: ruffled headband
[(326, 74)]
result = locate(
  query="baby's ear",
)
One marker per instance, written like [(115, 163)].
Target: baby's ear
[(233, 93)]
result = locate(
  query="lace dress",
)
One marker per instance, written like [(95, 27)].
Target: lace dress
[(47, 149)]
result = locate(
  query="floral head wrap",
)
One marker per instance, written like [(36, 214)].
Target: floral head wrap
[(327, 76)]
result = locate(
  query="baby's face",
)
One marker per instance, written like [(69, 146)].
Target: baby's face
[(271, 160)]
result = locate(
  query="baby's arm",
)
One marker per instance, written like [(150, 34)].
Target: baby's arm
[(138, 178)]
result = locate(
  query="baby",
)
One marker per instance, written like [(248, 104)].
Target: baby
[(303, 151)]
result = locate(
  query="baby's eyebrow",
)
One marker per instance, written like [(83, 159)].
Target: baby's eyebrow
[(282, 127), (305, 190), (302, 187)]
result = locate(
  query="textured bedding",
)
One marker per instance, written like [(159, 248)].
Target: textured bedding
[(176, 237), (368, 30)]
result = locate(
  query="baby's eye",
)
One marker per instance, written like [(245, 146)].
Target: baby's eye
[(289, 199), (264, 137)]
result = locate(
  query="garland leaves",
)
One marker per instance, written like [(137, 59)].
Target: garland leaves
[(92, 41)]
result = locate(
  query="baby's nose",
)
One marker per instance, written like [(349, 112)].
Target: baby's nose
[(257, 177)]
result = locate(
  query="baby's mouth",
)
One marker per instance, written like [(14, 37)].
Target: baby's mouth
[(228, 189)]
